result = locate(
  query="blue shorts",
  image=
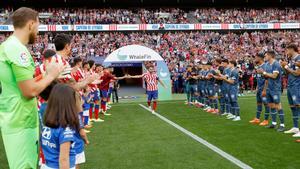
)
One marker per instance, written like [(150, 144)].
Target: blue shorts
[(233, 95), (273, 96), (193, 88), (152, 95), (104, 93), (259, 98), (110, 90), (211, 91), (293, 95), (96, 95)]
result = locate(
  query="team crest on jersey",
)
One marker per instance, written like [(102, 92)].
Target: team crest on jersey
[(24, 59)]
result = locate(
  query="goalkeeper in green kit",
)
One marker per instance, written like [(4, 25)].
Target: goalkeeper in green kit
[(18, 105)]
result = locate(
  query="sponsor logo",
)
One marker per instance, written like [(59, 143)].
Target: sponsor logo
[(24, 59), (46, 133), (120, 56)]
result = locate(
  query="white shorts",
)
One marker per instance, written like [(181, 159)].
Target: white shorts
[(80, 158), (86, 113), (43, 166)]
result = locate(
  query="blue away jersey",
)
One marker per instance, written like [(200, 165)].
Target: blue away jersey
[(51, 139)]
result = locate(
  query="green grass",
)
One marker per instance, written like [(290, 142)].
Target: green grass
[(133, 138)]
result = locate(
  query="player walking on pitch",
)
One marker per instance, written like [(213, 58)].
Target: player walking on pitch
[(152, 80)]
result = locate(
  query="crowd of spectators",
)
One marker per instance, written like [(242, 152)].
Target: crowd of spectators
[(178, 48), (164, 15), (247, 15)]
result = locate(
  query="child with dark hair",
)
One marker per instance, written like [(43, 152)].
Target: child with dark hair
[(60, 125), (62, 137)]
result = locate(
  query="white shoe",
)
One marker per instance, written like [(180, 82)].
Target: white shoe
[(99, 120), (106, 114), (224, 114), (237, 118), (152, 111), (297, 134), (150, 107), (293, 130), (92, 120), (230, 116)]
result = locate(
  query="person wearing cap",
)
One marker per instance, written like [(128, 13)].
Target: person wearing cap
[(261, 91), (293, 91), (273, 74)]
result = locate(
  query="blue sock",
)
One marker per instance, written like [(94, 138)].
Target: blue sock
[(273, 115), (237, 111), (222, 108), (267, 112), (259, 110), (295, 116), (86, 120), (281, 116), (236, 108), (208, 102), (228, 108), (215, 101), (232, 109)]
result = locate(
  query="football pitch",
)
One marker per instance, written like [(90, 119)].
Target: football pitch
[(133, 138)]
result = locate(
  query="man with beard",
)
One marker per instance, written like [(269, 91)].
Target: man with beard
[(18, 104), (293, 91)]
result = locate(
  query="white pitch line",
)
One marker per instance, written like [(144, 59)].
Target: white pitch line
[(202, 141)]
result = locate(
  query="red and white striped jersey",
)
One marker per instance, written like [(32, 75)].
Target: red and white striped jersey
[(151, 81), (64, 76), (78, 75), (93, 87)]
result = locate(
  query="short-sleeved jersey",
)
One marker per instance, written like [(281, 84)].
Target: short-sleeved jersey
[(212, 80), (51, 139), (151, 81), (274, 84), (191, 80), (92, 86), (78, 75), (201, 81), (106, 79), (292, 79), (226, 72), (65, 75), (260, 78), (234, 75), (16, 64)]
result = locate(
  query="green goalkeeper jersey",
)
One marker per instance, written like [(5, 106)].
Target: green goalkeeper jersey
[(16, 64)]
